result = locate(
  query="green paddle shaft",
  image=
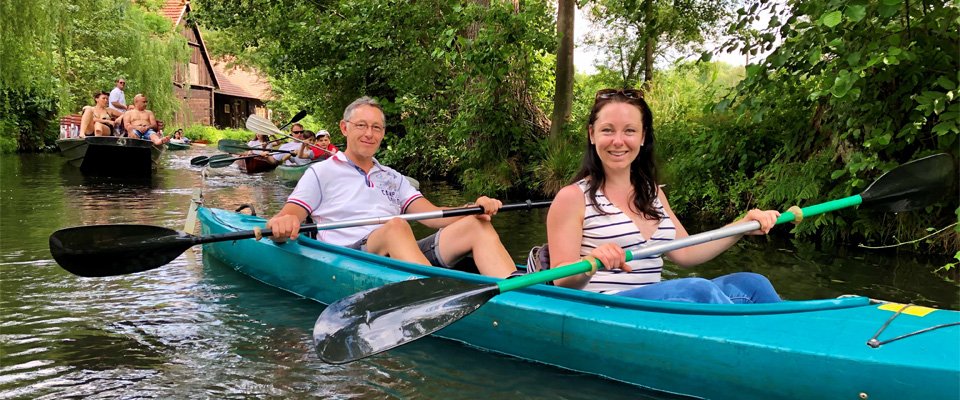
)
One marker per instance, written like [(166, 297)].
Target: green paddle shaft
[(583, 266)]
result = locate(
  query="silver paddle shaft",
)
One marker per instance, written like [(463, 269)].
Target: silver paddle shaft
[(692, 240)]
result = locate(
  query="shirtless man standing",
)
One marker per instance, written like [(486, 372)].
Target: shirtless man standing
[(140, 122)]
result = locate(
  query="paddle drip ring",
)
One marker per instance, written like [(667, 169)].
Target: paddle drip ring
[(797, 214), (593, 265)]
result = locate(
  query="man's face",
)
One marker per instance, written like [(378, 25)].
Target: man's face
[(297, 131), (140, 102), (364, 131), (121, 84)]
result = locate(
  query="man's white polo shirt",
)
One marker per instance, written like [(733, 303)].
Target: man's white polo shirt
[(338, 190)]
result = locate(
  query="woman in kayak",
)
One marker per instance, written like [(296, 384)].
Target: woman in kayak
[(615, 205)]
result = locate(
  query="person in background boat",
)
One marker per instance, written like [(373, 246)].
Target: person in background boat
[(315, 147), (306, 153), (97, 120), (323, 143), (118, 101), (179, 138), (296, 131), (140, 123), (352, 184), (615, 204), (261, 141)]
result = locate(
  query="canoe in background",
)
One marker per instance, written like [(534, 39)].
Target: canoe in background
[(290, 174), (256, 165), (171, 145)]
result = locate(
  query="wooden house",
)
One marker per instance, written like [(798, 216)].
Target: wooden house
[(212, 93)]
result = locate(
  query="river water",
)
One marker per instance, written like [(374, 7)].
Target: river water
[(196, 329)]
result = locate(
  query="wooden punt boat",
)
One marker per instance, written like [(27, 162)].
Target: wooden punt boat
[(256, 165), (815, 349), (111, 156)]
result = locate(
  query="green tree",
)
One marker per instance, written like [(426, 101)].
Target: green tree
[(633, 33), (853, 88), (55, 54), (463, 85)]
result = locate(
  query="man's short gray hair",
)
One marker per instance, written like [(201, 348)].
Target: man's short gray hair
[(363, 101)]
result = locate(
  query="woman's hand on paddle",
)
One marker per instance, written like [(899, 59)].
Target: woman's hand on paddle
[(766, 218), (490, 207), (611, 256)]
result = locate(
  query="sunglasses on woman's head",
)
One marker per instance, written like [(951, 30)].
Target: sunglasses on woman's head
[(606, 94)]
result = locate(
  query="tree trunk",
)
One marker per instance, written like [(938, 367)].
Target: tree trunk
[(563, 94), (648, 43)]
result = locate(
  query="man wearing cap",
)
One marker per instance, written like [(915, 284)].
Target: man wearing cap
[(352, 185)]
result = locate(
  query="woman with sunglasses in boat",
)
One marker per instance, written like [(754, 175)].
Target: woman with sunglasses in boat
[(615, 205)]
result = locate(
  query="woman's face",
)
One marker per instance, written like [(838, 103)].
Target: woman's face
[(102, 100), (617, 135)]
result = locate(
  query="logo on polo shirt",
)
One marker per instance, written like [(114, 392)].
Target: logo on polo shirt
[(389, 184)]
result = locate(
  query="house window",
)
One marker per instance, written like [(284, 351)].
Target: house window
[(194, 74)]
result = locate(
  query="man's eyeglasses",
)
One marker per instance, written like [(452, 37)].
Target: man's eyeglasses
[(297, 132), (606, 94), (363, 127)]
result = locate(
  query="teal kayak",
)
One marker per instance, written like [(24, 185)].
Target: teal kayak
[(816, 349)]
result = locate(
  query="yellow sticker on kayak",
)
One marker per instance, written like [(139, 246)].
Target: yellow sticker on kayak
[(918, 311)]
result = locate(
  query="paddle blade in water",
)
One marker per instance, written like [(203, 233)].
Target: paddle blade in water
[(382, 318), (232, 146), (108, 250), (913, 185)]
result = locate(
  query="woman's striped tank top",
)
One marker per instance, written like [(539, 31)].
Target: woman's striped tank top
[(618, 228)]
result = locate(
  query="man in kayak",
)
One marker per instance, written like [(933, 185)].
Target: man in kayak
[(352, 184), (296, 131)]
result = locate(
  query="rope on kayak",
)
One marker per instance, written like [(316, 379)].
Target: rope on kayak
[(873, 342)]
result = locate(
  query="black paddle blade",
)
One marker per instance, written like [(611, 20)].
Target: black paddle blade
[(382, 318), (199, 160), (916, 184), (107, 250), (298, 117)]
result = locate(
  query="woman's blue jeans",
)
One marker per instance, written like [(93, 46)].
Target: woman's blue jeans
[(736, 288)]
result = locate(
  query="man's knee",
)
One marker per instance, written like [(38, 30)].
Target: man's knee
[(398, 226)]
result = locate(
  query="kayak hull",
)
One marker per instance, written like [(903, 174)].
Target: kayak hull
[(796, 349), (111, 156), (290, 174), (255, 165)]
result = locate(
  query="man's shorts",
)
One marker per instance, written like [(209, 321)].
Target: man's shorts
[(429, 246), (144, 135)]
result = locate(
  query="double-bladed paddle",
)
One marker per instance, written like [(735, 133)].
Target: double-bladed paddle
[(236, 147), (108, 250), (385, 317)]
